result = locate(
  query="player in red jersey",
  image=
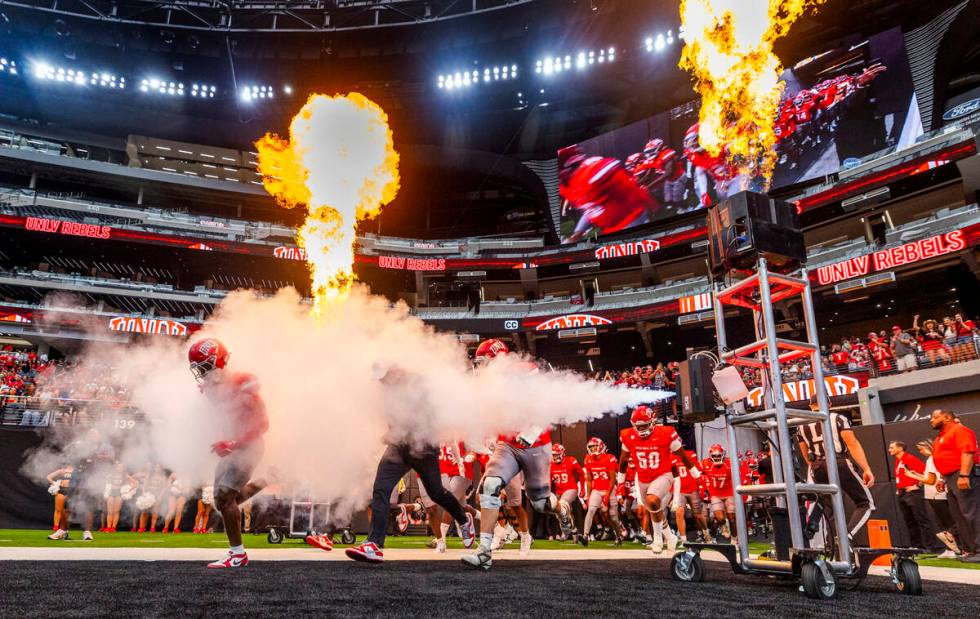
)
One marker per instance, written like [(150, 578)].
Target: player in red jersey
[(566, 475), (529, 453), (602, 192), (235, 394), (709, 170), (600, 470), (686, 493), (456, 472), (635, 517), (662, 174), (718, 469), (649, 448)]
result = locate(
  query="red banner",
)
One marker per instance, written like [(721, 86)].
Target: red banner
[(802, 390), (74, 228), (695, 303), (626, 248), (160, 326), (289, 253), (886, 259), (412, 264), (573, 321)]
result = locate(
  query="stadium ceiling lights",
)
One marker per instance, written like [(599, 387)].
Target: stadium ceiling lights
[(465, 79), (50, 73), (204, 91), (163, 87), (557, 64), (659, 42), (250, 93), (7, 66)]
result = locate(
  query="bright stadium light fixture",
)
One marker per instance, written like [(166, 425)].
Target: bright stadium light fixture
[(659, 43), (8, 66), (287, 89), (670, 37)]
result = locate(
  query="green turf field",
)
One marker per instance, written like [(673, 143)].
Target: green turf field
[(36, 538)]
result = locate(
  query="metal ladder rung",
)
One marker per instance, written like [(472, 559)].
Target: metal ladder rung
[(780, 489), (770, 413)]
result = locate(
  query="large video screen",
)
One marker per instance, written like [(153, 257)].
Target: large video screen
[(838, 106)]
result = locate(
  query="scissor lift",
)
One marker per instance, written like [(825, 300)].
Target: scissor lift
[(818, 572)]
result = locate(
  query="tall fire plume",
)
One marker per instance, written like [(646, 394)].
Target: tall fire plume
[(728, 48), (340, 163)]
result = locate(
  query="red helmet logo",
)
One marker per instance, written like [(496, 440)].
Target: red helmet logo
[(596, 446), (642, 420), (488, 349), (207, 355), (557, 453)]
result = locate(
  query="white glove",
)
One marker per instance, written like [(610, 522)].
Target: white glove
[(470, 457), (528, 436), (620, 478), (54, 488), (695, 473)]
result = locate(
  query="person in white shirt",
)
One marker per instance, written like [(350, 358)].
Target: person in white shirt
[(935, 496)]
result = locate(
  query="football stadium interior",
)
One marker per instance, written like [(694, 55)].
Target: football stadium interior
[(367, 201)]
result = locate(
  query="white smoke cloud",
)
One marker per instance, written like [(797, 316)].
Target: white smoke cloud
[(330, 414)]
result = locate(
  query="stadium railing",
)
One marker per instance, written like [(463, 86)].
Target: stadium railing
[(33, 412)]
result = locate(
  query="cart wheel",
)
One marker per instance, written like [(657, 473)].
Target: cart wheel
[(687, 568), (274, 537), (907, 577), (347, 537), (815, 585)]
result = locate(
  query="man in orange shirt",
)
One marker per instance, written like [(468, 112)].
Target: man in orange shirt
[(955, 456)]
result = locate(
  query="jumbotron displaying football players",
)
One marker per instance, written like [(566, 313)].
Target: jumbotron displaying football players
[(603, 192), (237, 395), (600, 470), (687, 493), (398, 459), (529, 453), (721, 491), (649, 447), (566, 475), (661, 172)]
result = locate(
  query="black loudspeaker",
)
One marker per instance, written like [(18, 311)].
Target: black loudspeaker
[(695, 390), (750, 224)]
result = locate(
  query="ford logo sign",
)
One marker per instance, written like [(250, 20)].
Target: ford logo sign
[(512, 325), (958, 111)]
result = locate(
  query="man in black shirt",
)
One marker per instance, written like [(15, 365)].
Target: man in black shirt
[(850, 460)]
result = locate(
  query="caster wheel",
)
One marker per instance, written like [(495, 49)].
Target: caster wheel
[(815, 586), (687, 568), (274, 537), (907, 578), (348, 537)]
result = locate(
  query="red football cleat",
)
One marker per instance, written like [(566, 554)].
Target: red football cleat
[(166, 529), (231, 560), (133, 530), (141, 530), (368, 552), (320, 541), (176, 530), (153, 529), (197, 529)]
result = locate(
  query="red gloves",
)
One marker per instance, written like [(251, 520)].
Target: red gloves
[(223, 448)]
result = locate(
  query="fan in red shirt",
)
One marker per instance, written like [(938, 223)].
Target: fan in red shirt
[(686, 492), (605, 194), (237, 395), (649, 448), (566, 475), (600, 471), (721, 492)]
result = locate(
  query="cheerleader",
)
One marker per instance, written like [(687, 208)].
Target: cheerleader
[(58, 481), (119, 485), (205, 505), (150, 501), (175, 505)]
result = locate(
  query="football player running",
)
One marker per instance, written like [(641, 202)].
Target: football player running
[(566, 475), (721, 492), (456, 470), (235, 394), (528, 452), (600, 469), (649, 448), (686, 492)]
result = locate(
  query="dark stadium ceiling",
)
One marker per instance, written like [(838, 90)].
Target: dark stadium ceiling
[(268, 16), (335, 47)]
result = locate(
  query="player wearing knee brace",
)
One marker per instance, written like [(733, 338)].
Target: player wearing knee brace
[(649, 448), (528, 452)]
